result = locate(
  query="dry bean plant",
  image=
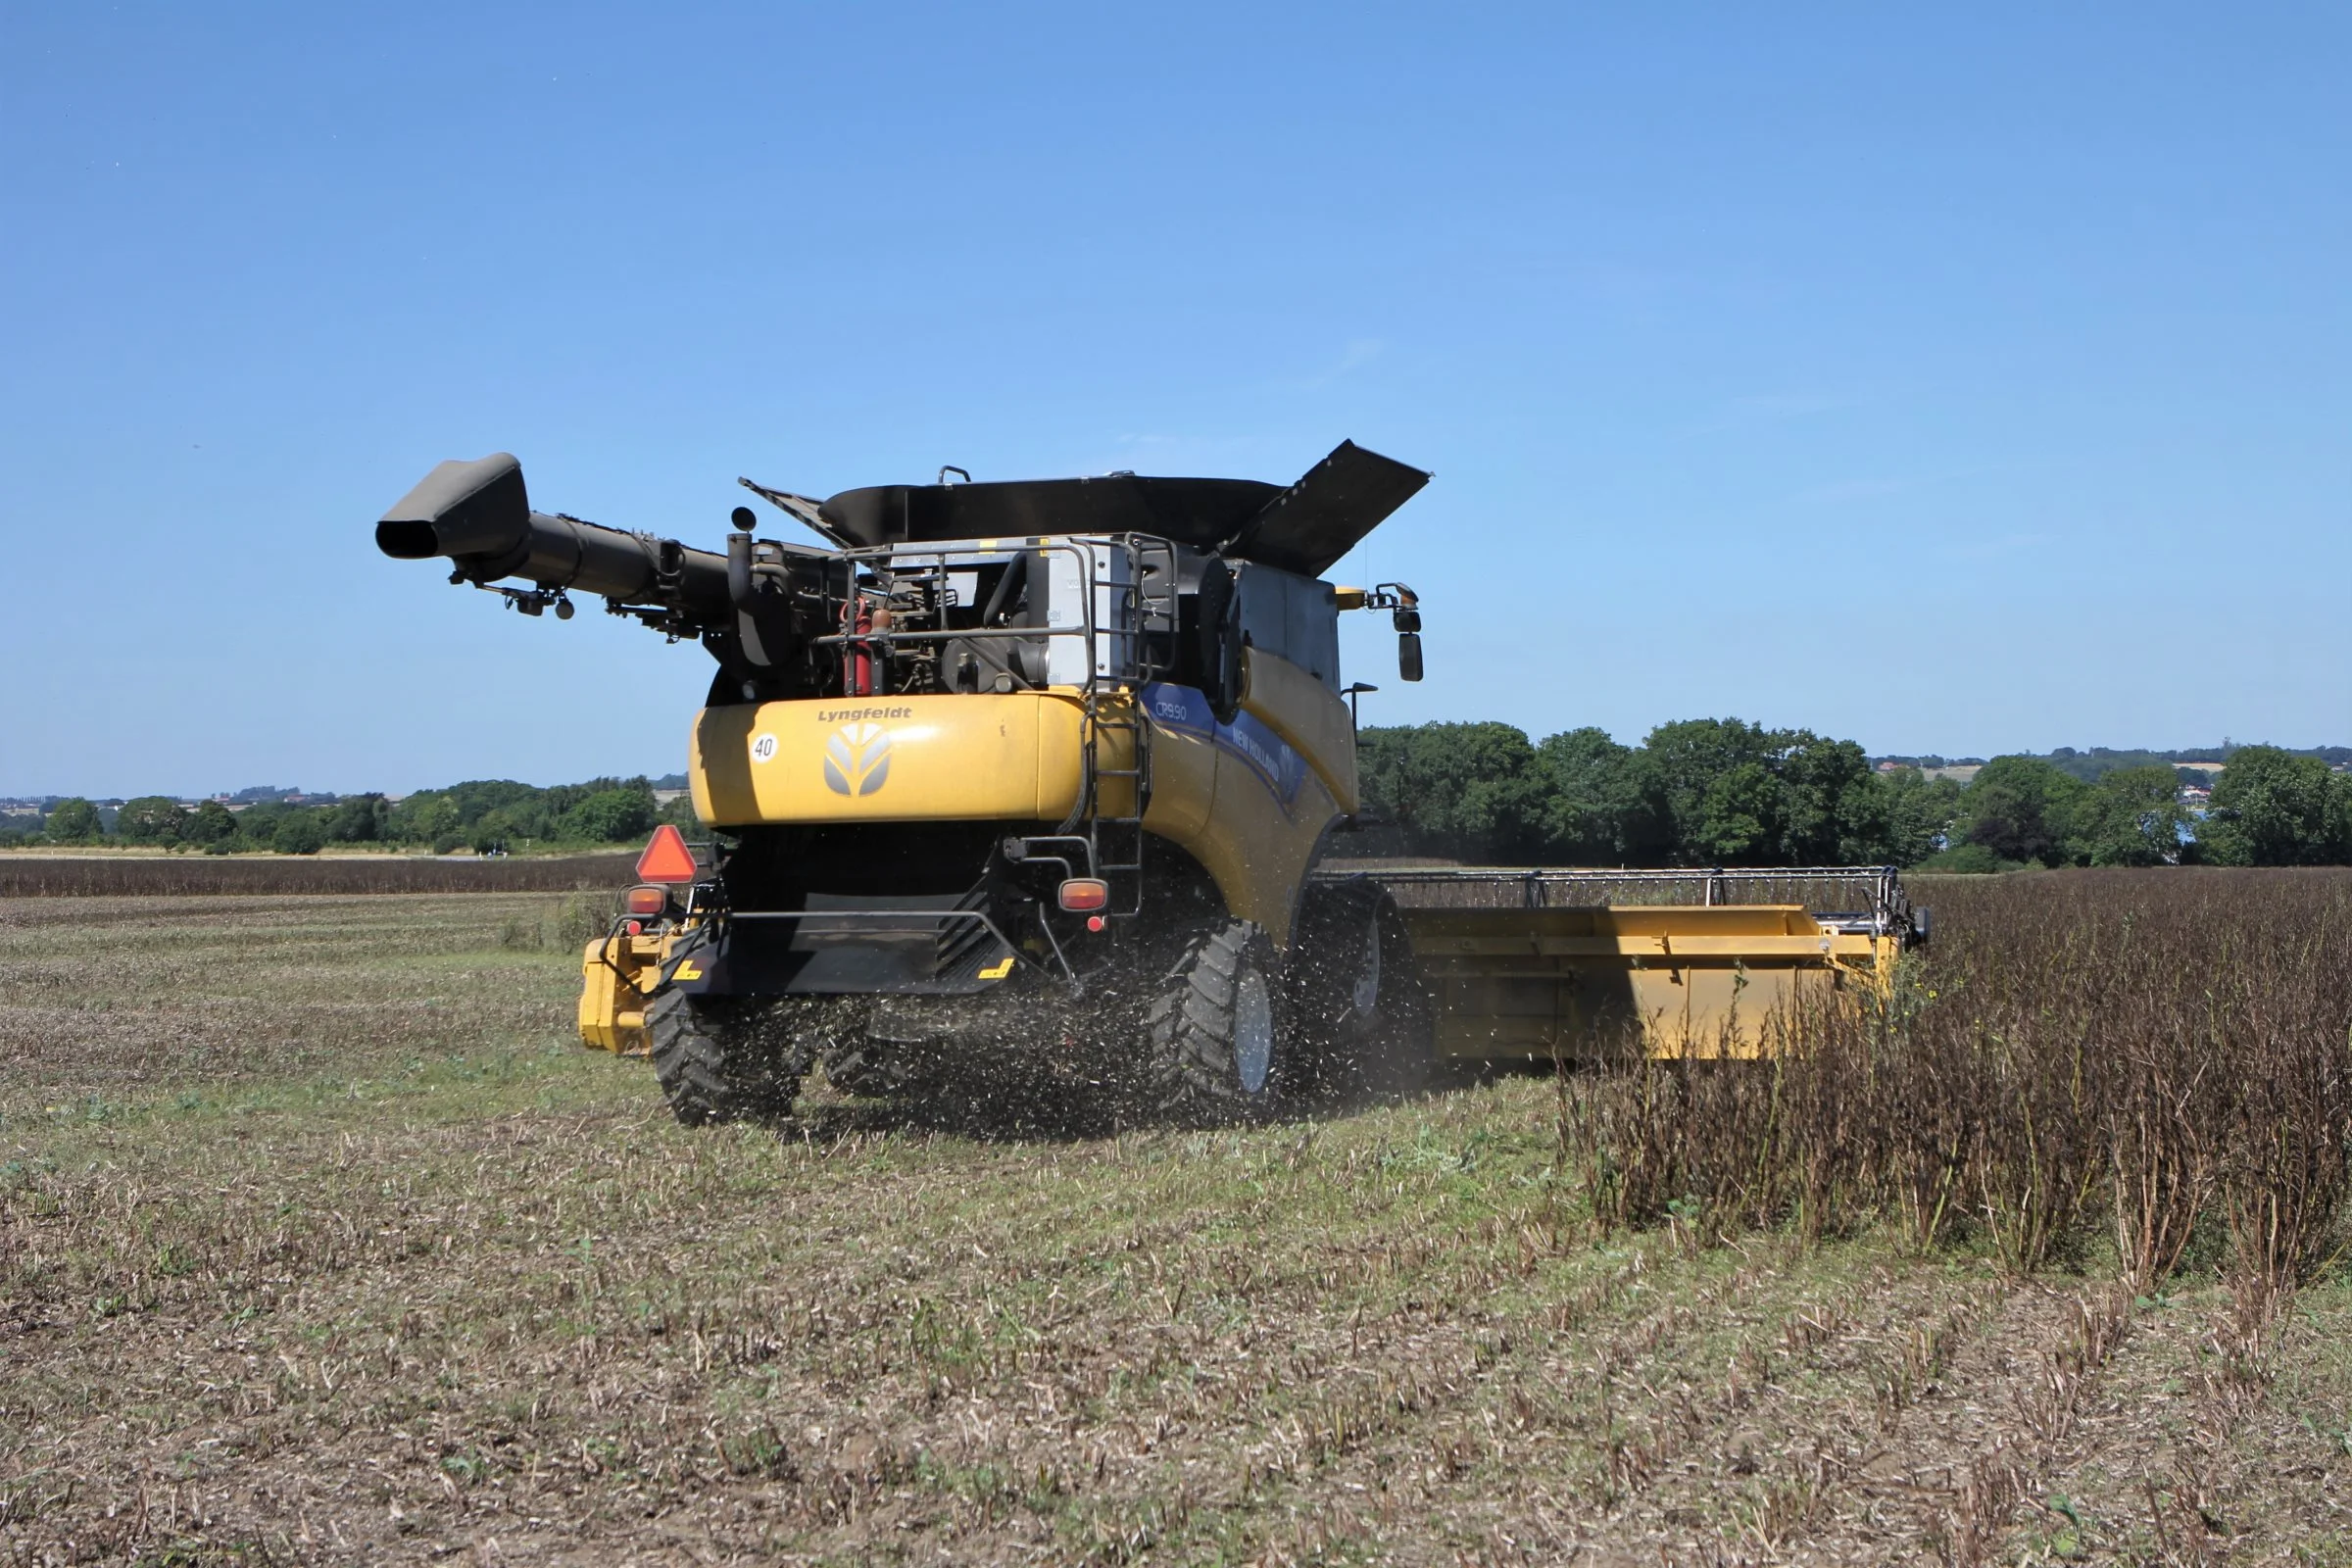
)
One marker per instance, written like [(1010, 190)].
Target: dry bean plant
[(2166, 1059), (39, 874)]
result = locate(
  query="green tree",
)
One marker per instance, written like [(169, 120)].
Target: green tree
[(2022, 808), (1919, 813), (2271, 808), (299, 833), (151, 820), (612, 816), (1739, 819), (2132, 816), (1832, 809), (208, 824), (426, 817), (1737, 793), (1471, 790), (1595, 810), (258, 824), (493, 830), (526, 811), (71, 821), (359, 819), (1681, 762)]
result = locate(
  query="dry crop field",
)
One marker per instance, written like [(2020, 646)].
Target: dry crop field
[(37, 874), (319, 1243)]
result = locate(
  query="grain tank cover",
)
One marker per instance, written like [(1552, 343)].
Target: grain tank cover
[(1191, 512), (1303, 528)]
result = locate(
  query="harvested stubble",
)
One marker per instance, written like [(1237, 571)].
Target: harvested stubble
[(468, 1287), (26, 876)]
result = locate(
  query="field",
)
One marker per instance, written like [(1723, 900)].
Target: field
[(32, 874), (319, 1241)]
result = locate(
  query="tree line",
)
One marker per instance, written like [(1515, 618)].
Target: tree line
[(2092, 764), (485, 816), (1698, 792), (1724, 792)]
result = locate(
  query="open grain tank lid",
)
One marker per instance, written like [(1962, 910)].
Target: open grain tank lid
[(1302, 529)]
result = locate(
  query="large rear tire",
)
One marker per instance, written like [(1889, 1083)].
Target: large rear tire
[(717, 1058), (1361, 1007), (865, 1067), (1217, 1029)]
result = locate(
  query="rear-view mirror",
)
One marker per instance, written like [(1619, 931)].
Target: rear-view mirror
[(1409, 656)]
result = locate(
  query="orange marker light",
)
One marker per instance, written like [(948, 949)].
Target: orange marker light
[(1083, 892), (645, 901), (666, 859)]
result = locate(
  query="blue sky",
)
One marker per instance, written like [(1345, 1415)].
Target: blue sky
[(1967, 383)]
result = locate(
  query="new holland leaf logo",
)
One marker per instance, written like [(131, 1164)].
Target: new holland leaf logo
[(858, 759)]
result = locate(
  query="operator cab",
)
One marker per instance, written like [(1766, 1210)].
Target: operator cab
[(979, 616), (1015, 586)]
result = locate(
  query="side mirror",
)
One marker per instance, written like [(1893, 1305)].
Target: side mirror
[(1409, 654)]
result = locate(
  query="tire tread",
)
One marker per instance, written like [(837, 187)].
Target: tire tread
[(713, 1068), (1188, 1027)]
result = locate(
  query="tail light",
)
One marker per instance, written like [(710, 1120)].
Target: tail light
[(1082, 894), (646, 900)]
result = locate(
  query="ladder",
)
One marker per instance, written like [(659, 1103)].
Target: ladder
[(1114, 714), (1116, 841)]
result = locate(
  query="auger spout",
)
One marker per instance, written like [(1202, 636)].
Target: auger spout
[(480, 515)]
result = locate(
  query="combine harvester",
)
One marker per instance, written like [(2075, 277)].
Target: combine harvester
[(1066, 766)]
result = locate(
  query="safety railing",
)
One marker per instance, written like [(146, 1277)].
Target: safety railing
[(1863, 898), (1131, 663)]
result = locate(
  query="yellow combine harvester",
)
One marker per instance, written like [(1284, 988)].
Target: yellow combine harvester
[(1064, 766)]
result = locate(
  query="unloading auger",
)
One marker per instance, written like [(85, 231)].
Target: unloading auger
[(1060, 766)]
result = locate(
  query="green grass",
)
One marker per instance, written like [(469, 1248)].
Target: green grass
[(319, 1239)]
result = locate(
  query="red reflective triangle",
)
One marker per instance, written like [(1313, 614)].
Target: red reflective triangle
[(666, 859)]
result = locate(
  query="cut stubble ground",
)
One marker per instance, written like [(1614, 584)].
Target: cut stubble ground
[(319, 1240)]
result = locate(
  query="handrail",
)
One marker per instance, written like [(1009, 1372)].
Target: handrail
[(1138, 666), (1878, 888)]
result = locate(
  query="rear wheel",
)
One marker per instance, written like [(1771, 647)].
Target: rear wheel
[(1359, 999), (1216, 1028), (832, 1031), (866, 1066), (717, 1058)]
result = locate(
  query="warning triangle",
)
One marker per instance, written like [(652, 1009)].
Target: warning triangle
[(666, 859)]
